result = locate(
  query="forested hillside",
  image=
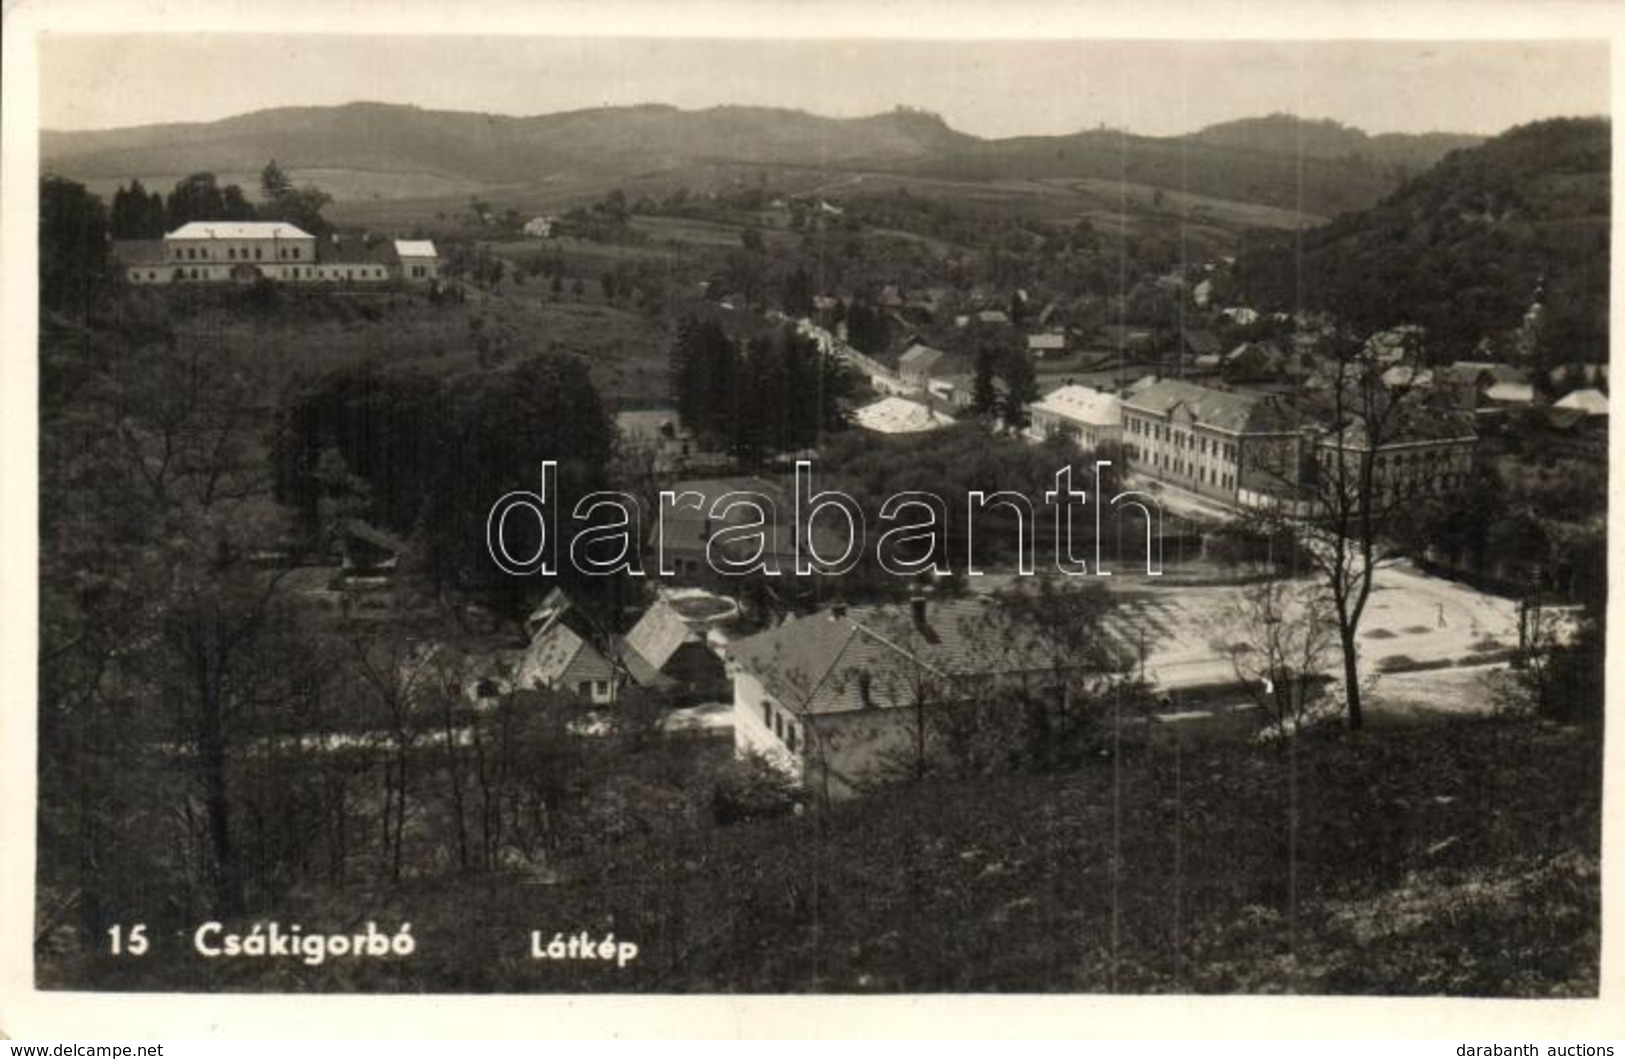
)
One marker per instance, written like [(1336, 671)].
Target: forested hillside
[(1463, 248)]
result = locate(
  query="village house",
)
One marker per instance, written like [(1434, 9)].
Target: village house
[(672, 641), (540, 227), (850, 697), (916, 364), (563, 655), (1091, 417), (1203, 439)]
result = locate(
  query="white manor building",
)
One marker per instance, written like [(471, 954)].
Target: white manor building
[(246, 251)]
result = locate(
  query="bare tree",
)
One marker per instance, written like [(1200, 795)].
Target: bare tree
[(1280, 637), (1346, 509)]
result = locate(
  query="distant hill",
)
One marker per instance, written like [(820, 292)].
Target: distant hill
[(1285, 134), (376, 150), (1462, 248), (491, 149), (1316, 167)]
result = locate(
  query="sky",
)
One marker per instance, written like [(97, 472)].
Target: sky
[(986, 87)]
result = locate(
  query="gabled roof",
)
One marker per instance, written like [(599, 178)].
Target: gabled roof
[(876, 657), (659, 633), (559, 657), (1591, 402), (920, 356), (414, 248), (1047, 340), (238, 230)]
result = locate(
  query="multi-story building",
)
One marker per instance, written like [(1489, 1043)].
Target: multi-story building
[(1212, 442), (247, 251), (1424, 452)]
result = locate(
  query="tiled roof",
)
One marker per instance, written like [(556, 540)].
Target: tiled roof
[(1237, 413), (659, 633), (876, 657), (238, 230), (414, 248)]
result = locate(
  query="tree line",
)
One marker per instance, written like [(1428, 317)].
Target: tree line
[(773, 393), (138, 213)]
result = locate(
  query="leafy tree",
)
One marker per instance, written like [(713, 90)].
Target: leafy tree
[(274, 183), (1020, 390), (72, 246), (984, 393), (136, 214)]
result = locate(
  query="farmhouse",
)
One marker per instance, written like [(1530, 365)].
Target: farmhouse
[(847, 698)]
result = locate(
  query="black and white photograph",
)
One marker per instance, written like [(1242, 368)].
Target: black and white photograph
[(832, 510)]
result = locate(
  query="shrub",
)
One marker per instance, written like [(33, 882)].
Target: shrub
[(753, 788)]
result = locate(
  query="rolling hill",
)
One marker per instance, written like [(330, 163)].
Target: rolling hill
[(1462, 248), (363, 151)]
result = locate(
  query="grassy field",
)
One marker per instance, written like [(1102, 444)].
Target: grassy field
[(1443, 858), (625, 350)]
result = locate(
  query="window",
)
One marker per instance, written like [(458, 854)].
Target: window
[(790, 737), (296, 253), (256, 253), (767, 712)]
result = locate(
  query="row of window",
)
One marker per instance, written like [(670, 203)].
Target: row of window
[(294, 273), (779, 725), (197, 253), (1183, 439)]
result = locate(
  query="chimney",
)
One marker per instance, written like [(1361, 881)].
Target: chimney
[(916, 604)]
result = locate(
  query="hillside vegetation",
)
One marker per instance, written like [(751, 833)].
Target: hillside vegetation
[(1462, 248), (1454, 858)]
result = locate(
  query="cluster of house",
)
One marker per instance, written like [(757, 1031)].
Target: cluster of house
[(247, 251)]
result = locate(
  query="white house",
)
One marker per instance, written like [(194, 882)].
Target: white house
[(249, 251), (1091, 416), (418, 261), (848, 698)]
